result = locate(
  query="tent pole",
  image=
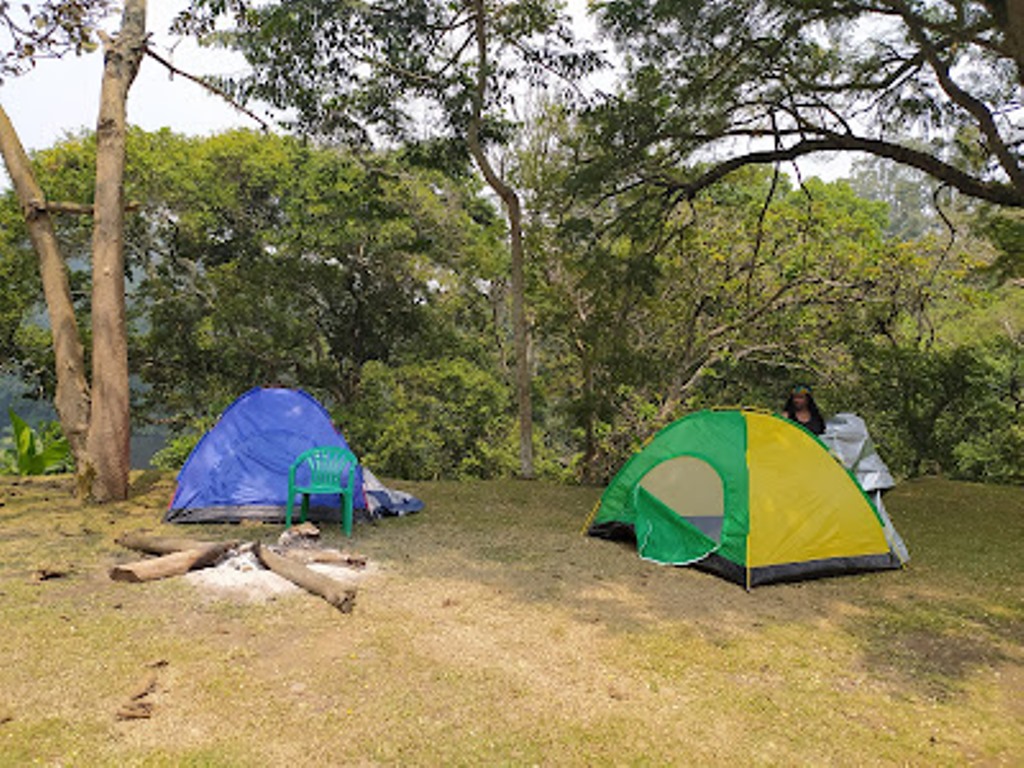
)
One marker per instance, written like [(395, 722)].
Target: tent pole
[(590, 517)]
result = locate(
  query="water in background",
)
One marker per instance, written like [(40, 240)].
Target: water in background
[(145, 442)]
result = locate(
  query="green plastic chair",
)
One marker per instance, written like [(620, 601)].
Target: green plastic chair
[(332, 470)]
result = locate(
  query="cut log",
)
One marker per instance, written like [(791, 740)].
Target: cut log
[(174, 564), (141, 541), (341, 597)]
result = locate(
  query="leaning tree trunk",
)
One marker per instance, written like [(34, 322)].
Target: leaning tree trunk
[(108, 445), (72, 396)]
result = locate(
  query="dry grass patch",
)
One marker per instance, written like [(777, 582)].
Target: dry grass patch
[(489, 631)]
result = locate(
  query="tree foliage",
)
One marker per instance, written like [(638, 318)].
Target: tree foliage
[(281, 263), (261, 260), (47, 29), (433, 419), (403, 70), (646, 312), (931, 84), (256, 259), (409, 71), (378, 286)]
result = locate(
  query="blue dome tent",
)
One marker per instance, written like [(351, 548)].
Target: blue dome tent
[(239, 469)]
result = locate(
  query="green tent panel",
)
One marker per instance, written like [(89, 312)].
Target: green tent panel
[(748, 495)]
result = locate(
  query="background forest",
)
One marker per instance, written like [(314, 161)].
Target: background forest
[(378, 283), (447, 273)]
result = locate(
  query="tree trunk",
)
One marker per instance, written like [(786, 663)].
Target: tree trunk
[(1009, 17), (513, 211), (520, 329), (108, 444), (589, 416), (520, 335), (72, 396)]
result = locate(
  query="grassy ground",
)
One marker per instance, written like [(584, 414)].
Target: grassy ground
[(493, 633)]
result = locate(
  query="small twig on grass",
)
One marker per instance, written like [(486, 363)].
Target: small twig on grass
[(135, 710), (46, 573), (138, 706)]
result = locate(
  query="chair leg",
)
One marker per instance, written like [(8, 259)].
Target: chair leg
[(346, 520), (288, 511), (305, 507)]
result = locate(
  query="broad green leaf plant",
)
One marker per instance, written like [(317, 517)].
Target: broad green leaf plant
[(34, 453)]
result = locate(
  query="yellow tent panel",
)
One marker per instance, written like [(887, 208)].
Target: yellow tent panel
[(803, 506)]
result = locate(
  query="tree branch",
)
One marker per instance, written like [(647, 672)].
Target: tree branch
[(212, 89), (972, 105), (36, 207), (990, 191)]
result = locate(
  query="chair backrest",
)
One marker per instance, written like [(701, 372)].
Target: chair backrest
[(327, 465)]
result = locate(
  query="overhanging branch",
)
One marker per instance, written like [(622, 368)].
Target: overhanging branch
[(994, 192)]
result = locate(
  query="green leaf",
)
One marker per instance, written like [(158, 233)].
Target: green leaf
[(26, 446)]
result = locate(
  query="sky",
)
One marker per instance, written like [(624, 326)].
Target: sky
[(61, 96)]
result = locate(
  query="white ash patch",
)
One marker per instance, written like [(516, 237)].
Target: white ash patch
[(241, 576)]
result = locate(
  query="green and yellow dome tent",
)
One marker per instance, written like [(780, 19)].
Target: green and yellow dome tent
[(748, 495)]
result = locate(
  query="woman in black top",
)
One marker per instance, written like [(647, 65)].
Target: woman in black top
[(801, 408)]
